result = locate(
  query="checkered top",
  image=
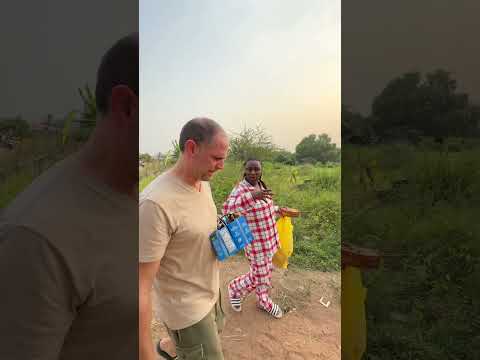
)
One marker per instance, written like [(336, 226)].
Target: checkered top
[(260, 215)]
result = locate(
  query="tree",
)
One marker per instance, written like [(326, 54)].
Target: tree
[(12, 131), (401, 103), (356, 128), (16, 127), (428, 105), (252, 143), (317, 148), (145, 157)]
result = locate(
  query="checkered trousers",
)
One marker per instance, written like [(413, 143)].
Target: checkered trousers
[(258, 279)]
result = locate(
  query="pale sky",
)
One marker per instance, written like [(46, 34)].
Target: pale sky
[(382, 40), (243, 63), (50, 48)]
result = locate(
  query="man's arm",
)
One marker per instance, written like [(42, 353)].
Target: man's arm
[(146, 273), (155, 231)]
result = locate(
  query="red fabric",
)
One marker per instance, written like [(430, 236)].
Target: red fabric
[(260, 215), (258, 279)]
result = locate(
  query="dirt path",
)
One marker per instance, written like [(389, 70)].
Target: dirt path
[(308, 331)]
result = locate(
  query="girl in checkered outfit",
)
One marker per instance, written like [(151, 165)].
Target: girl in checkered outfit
[(253, 199)]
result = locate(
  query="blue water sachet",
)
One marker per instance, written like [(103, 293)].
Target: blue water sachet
[(231, 236)]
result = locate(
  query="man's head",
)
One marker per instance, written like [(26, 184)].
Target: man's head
[(204, 146), (116, 96), (117, 75)]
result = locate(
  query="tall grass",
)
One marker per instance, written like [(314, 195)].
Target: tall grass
[(13, 185), (315, 190), (420, 205), (33, 155)]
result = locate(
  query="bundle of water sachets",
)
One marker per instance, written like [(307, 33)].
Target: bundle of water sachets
[(231, 236)]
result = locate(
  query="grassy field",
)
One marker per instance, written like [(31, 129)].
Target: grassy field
[(20, 166), (315, 190), (419, 205), (13, 185)]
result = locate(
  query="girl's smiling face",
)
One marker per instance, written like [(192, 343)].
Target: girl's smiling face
[(253, 171)]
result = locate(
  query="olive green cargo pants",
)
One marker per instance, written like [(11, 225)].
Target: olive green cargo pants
[(201, 341)]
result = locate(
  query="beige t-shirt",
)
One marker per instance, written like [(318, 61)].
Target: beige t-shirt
[(175, 221), (69, 270)]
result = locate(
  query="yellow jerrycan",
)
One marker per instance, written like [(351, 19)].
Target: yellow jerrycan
[(354, 326), (285, 232)]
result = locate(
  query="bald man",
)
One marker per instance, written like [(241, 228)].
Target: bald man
[(177, 215)]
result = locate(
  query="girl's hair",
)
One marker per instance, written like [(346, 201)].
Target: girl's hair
[(260, 181)]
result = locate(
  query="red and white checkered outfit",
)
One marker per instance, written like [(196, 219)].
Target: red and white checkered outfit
[(260, 215)]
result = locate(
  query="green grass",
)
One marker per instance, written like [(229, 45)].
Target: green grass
[(428, 219), (13, 186), (16, 166), (316, 192), (145, 181)]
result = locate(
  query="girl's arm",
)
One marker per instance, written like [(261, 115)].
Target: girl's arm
[(239, 202)]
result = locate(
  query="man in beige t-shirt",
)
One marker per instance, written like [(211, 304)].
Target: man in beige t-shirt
[(68, 242), (177, 214)]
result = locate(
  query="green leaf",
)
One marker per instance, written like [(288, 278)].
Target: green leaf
[(67, 126)]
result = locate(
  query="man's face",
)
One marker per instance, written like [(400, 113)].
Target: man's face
[(211, 157)]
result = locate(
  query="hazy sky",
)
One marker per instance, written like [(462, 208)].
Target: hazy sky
[(243, 63), (384, 39), (52, 47)]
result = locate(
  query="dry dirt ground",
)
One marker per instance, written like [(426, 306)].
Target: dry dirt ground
[(308, 331)]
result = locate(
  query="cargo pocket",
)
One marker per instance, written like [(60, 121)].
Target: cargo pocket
[(191, 353)]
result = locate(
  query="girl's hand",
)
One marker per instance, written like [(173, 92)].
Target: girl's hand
[(285, 211), (262, 194), (282, 211)]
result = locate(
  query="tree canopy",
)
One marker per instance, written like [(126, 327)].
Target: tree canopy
[(315, 148), (428, 105)]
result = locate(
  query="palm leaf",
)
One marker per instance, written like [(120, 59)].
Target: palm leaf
[(67, 126)]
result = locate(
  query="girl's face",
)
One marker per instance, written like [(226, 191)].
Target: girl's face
[(253, 171)]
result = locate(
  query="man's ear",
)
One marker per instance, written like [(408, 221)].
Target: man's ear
[(123, 102), (191, 147)]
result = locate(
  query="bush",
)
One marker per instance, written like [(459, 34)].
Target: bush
[(285, 158)]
